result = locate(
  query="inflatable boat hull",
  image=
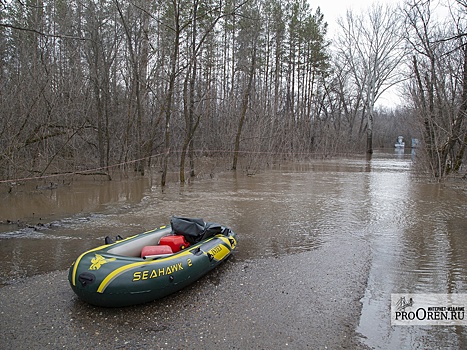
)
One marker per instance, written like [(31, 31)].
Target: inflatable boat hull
[(115, 275)]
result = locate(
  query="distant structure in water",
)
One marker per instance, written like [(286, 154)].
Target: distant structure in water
[(415, 143), (400, 143)]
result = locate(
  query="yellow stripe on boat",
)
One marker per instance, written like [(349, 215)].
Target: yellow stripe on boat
[(111, 276), (227, 241), (75, 267), (114, 274)]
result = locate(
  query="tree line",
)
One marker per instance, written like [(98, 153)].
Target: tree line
[(89, 84)]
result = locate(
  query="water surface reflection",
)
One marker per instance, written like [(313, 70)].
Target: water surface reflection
[(417, 230), (418, 238)]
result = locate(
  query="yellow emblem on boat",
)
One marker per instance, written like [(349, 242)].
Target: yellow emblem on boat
[(219, 252), (98, 261)]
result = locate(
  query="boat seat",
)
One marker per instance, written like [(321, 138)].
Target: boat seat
[(151, 251)]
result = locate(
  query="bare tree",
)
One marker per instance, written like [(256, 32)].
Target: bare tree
[(248, 40), (439, 84), (138, 48), (176, 29), (371, 46), (202, 24), (94, 84)]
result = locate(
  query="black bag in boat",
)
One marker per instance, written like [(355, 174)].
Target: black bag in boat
[(194, 230)]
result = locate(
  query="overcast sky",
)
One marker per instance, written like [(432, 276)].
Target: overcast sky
[(333, 9)]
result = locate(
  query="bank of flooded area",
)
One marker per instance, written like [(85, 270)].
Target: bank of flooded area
[(289, 301), (322, 246)]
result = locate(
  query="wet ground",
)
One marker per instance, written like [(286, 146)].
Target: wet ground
[(306, 300), (322, 245)]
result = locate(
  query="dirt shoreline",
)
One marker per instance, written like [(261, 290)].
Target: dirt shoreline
[(306, 300)]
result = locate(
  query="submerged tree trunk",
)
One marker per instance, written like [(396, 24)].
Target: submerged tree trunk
[(458, 125), (170, 92), (189, 96), (369, 133), (245, 101)]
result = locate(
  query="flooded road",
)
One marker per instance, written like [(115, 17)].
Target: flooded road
[(416, 231)]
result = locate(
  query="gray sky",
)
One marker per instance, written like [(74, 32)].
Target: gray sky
[(333, 9)]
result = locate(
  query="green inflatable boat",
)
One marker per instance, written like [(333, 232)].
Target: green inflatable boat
[(150, 265)]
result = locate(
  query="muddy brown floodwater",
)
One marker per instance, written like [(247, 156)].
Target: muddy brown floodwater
[(322, 246)]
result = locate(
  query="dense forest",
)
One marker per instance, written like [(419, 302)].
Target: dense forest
[(93, 85)]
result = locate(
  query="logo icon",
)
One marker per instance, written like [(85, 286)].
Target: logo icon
[(98, 261), (402, 304)]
